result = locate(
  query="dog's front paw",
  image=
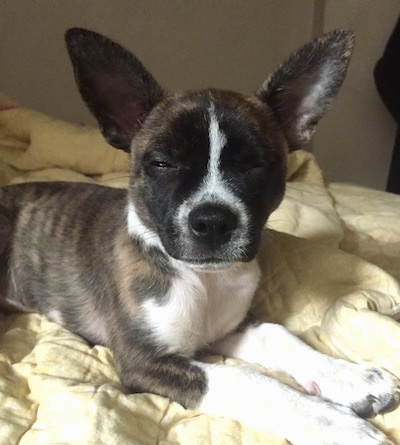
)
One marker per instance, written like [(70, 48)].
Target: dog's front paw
[(367, 390)]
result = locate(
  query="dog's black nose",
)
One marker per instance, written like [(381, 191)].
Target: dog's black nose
[(212, 224)]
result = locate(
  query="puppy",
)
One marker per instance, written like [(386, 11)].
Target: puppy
[(168, 268)]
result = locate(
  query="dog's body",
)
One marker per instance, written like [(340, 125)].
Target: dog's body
[(168, 269)]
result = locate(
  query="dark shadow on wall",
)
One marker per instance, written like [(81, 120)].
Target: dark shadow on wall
[(387, 81)]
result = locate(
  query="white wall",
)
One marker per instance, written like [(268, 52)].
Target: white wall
[(232, 44)]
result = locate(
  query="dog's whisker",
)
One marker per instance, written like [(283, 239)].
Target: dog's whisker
[(300, 189), (114, 178), (276, 220)]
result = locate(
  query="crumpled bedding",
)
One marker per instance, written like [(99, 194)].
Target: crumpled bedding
[(331, 269)]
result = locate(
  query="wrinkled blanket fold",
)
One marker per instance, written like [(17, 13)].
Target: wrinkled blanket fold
[(330, 259)]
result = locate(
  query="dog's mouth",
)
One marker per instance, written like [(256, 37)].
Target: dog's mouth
[(208, 264), (201, 258), (212, 263)]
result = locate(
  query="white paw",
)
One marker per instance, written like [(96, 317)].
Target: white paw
[(367, 390), (328, 424)]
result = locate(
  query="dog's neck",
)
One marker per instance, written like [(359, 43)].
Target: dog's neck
[(201, 306)]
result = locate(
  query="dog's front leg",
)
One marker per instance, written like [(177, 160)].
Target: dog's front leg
[(239, 393), (266, 404), (365, 389)]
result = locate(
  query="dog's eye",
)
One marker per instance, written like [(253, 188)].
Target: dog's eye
[(161, 164), (269, 162), (256, 166), (251, 169), (259, 168)]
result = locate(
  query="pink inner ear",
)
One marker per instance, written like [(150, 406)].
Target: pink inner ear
[(129, 116), (117, 95), (119, 108)]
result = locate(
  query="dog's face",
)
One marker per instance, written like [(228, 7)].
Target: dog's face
[(208, 167), (208, 177)]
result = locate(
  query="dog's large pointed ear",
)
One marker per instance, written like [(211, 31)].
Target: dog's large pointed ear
[(116, 87), (302, 88)]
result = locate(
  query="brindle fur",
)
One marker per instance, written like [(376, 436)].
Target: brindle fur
[(64, 241), (65, 250)]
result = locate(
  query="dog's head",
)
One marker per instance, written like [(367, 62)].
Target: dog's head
[(209, 166)]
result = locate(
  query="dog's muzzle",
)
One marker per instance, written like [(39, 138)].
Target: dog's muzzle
[(212, 234)]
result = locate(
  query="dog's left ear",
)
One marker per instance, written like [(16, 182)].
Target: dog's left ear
[(117, 88), (302, 88)]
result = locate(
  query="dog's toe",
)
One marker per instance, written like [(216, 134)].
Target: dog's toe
[(372, 405), (381, 403), (367, 390), (393, 403)]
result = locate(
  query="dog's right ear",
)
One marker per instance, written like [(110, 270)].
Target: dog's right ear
[(116, 87)]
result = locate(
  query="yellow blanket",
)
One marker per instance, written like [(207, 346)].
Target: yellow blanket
[(331, 271)]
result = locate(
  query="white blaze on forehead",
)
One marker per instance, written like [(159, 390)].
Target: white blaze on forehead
[(217, 143), (214, 186)]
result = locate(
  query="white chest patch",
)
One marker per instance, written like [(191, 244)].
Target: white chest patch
[(202, 307)]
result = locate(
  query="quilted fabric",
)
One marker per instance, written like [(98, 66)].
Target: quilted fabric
[(331, 263)]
